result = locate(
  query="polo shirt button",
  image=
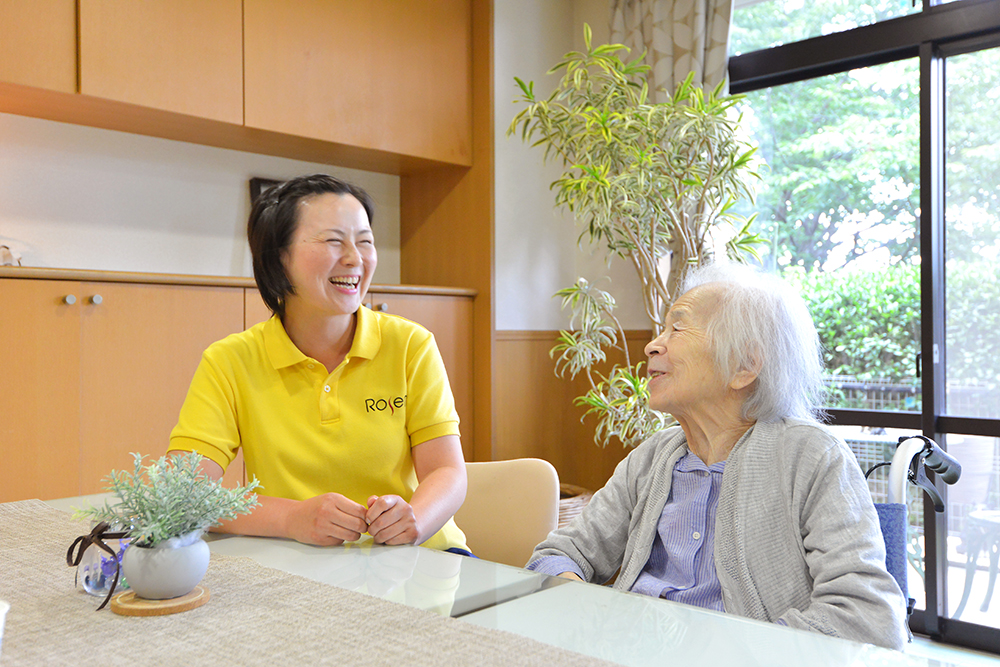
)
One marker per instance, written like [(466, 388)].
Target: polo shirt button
[(310, 366), (696, 535), (327, 389)]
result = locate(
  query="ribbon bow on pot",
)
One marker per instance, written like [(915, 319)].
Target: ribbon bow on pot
[(102, 531)]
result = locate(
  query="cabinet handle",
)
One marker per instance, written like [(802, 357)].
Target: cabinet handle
[(95, 300), (382, 307), (69, 299)]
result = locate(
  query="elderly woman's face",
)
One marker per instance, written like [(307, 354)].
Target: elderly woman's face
[(331, 257), (682, 370)]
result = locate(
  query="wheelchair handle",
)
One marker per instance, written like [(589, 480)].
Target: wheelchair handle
[(912, 454), (942, 463)]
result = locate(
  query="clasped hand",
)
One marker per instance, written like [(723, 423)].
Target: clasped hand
[(332, 519)]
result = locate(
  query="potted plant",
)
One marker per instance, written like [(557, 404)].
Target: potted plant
[(654, 184), (166, 508)]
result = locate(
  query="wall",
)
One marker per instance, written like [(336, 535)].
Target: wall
[(85, 198), (536, 251), (536, 254)]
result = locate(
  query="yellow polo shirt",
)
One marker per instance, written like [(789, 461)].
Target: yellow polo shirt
[(305, 432)]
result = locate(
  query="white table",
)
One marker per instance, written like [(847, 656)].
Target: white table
[(445, 583), (625, 628)]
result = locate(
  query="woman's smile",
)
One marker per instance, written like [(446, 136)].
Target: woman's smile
[(348, 284)]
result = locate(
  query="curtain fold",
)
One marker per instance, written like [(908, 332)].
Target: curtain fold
[(679, 36)]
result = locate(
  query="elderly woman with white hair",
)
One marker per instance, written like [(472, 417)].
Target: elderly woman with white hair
[(749, 506)]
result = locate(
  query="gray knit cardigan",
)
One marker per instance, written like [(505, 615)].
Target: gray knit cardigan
[(797, 539)]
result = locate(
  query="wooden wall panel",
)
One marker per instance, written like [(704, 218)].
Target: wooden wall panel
[(446, 226), (38, 43), (381, 74), (184, 56), (535, 415), (450, 320)]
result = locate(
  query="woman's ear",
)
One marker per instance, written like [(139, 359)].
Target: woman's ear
[(746, 376), (742, 380)]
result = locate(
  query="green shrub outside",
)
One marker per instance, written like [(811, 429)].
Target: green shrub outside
[(869, 323)]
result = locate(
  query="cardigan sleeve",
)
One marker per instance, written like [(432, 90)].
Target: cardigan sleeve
[(596, 539), (853, 596)]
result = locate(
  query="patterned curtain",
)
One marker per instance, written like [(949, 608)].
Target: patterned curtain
[(679, 36)]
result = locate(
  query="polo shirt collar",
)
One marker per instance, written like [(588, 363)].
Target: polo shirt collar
[(280, 348), (283, 353), (368, 335)]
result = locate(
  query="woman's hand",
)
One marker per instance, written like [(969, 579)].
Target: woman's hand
[(327, 520), (391, 520)]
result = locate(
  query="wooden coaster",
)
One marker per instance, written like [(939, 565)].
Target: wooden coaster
[(129, 604)]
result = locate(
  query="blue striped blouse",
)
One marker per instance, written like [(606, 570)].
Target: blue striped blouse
[(681, 565)]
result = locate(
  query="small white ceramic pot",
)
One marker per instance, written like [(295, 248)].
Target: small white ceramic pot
[(166, 570)]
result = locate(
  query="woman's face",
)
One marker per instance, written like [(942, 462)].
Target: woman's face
[(682, 370), (331, 257)]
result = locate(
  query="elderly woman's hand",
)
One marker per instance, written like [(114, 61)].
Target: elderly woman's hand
[(391, 520), (327, 520)]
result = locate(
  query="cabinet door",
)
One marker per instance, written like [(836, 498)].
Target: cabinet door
[(177, 55), (39, 389), (380, 74), (255, 310), (449, 318), (140, 346), (38, 43)]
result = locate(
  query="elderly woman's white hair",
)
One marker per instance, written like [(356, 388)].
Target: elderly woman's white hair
[(762, 325)]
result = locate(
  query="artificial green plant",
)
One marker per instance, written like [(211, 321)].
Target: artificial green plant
[(650, 183), (168, 498)]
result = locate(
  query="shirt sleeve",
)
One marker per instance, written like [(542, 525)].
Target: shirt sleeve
[(207, 423), (430, 404), (555, 565)]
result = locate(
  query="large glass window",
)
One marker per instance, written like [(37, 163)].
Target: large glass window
[(972, 221), (759, 24), (972, 327), (839, 208)]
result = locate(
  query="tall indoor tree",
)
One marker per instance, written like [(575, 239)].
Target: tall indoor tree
[(653, 184)]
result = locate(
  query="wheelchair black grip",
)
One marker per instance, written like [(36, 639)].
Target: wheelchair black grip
[(942, 463)]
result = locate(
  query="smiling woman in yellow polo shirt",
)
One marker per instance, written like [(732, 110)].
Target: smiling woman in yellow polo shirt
[(343, 414)]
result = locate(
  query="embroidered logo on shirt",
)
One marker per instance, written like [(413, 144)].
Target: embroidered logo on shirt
[(383, 404)]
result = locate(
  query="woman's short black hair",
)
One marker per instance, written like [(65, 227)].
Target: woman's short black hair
[(272, 222)]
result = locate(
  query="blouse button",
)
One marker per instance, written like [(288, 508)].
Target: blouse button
[(696, 535)]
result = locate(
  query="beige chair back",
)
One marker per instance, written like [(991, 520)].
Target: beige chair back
[(509, 508)]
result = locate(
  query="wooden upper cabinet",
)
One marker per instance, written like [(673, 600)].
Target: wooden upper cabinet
[(38, 43), (184, 56), (380, 74)]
